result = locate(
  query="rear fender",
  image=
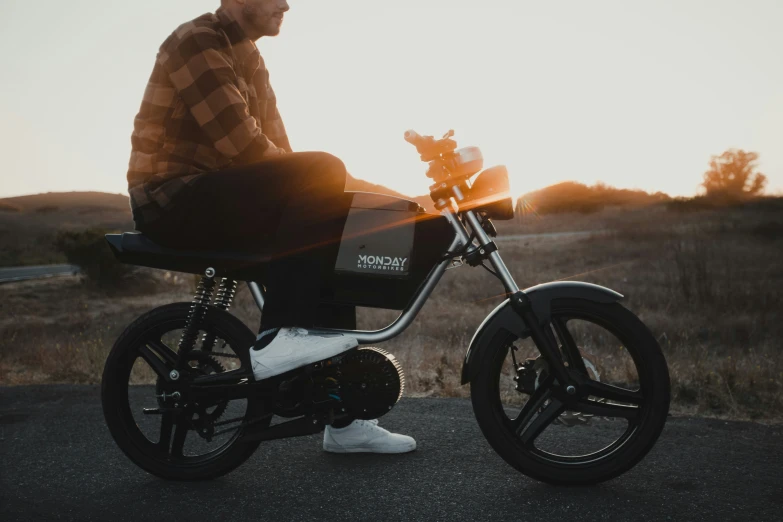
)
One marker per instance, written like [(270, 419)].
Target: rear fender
[(505, 320)]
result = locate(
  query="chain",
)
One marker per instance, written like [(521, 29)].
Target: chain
[(223, 354)]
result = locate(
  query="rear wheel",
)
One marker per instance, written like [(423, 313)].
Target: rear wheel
[(146, 416), (592, 430)]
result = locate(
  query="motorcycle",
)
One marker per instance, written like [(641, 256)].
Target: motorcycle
[(567, 385)]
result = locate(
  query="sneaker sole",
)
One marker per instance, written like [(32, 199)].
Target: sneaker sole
[(362, 449), (294, 364)]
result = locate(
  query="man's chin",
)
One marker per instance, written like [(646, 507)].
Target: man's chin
[(272, 29), (272, 32)]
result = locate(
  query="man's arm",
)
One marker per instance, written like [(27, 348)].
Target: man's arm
[(207, 84)]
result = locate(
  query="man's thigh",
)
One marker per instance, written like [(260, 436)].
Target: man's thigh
[(241, 208)]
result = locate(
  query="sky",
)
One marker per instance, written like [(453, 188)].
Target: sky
[(635, 94)]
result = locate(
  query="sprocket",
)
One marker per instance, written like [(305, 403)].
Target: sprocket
[(206, 364)]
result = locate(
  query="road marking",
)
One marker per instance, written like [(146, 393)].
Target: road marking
[(24, 273)]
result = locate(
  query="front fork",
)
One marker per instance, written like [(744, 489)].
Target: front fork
[(520, 302)]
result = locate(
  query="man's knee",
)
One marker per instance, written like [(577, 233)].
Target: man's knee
[(318, 170), (331, 167)]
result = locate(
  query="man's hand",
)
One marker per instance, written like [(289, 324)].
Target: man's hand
[(273, 150)]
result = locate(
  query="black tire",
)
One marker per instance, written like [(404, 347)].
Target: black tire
[(643, 426), (115, 394)]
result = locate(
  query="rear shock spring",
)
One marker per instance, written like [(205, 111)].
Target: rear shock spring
[(225, 294), (197, 312), (223, 300)]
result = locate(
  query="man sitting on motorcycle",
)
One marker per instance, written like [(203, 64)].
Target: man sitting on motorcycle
[(212, 168)]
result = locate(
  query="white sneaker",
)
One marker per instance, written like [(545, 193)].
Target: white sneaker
[(296, 347), (363, 436)]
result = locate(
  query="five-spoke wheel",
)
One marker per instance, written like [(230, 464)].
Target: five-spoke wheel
[(596, 425), (146, 399)]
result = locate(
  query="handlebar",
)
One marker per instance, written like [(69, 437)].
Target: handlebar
[(448, 168), (413, 137), (428, 147)]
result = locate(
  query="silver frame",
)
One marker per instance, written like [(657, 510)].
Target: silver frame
[(461, 240)]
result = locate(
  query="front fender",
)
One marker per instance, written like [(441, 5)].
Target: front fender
[(504, 319)]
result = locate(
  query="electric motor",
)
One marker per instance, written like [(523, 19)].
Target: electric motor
[(370, 382)]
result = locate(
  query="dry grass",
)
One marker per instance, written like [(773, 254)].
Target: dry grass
[(708, 284)]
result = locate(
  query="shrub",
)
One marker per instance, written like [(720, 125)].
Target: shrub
[(88, 249)]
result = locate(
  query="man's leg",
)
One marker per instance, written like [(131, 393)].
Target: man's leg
[(293, 205), (307, 242), (240, 209)]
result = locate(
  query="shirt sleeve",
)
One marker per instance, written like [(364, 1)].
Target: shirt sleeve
[(206, 82)]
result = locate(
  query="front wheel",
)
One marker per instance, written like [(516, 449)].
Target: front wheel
[(591, 430)]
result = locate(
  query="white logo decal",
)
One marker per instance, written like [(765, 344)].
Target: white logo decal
[(385, 263)]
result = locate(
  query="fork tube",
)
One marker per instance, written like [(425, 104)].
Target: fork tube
[(494, 257), (456, 224), (503, 272)]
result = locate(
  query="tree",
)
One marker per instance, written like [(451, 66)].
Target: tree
[(733, 175)]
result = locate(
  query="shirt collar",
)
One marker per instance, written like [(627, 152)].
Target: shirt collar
[(236, 35), (230, 25)]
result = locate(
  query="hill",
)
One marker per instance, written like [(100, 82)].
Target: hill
[(571, 196), (51, 201), (29, 224)]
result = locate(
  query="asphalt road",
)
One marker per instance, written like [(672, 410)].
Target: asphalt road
[(58, 462), (22, 273)]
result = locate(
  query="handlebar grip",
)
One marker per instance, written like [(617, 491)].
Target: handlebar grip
[(412, 137)]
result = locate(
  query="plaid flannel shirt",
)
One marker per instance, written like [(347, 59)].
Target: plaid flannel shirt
[(208, 106)]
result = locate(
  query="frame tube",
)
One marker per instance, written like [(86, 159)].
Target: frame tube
[(257, 293), (410, 313), (461, 239)]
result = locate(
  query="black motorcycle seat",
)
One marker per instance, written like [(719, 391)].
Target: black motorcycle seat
[(134, 248)]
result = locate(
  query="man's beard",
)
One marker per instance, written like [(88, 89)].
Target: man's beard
[(262, 27)]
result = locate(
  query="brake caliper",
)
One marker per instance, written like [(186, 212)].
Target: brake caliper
[(530, 374)]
